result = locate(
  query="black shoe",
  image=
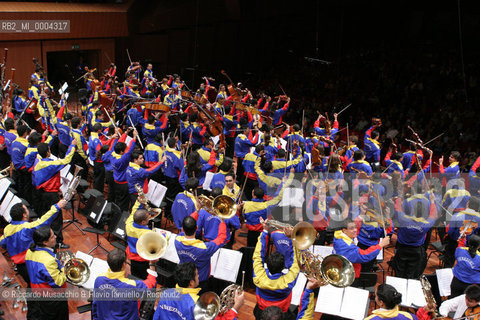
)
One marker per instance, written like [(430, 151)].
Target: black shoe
[(63, 246)]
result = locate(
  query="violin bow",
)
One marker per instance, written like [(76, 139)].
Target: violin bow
[(344, 109), (129, 59)]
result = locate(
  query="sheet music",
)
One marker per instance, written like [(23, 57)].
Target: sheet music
[(127, 140), (4, 185), (4, 205), (444, 278), (14, 201), (401, 285), (329, 300), (292, 197), (85, 257), (171, 252), (309, 165), (323, 251), (97, 267), (354, 304), (159, 194), (415, 294), (208, 181), (65, 170), (228, 265), (297, 290), (213, 262), (152, 185)]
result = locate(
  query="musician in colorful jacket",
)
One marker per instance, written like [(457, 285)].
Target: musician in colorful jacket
[(45, 271), (280, 112), (18, 235), (179, 302), (115, 279), (453, 170), (153, 126), (197, 251), (136, 175), (273, 287), (474, 177), (467, 269), (372, 146), (343, 244), (185, 203)]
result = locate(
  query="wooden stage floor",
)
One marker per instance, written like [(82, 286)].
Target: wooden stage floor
[(79, 242)]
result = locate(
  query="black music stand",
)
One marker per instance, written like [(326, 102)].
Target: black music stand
[(94, 218), (74, 220)]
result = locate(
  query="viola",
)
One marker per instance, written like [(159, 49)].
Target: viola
[(232, 90)]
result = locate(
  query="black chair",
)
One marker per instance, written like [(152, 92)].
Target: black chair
[(438, 250), (368, 281)]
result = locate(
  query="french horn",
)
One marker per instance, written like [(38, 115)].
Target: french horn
[(207, 306)]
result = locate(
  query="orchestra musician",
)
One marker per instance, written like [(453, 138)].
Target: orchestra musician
[(463, 305)]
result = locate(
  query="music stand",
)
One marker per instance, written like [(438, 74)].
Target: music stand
[(73, 220), (94, 218)]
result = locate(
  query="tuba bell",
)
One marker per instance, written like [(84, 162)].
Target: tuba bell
[(207, 306), (151, 245), (221, 206), (76, 270)]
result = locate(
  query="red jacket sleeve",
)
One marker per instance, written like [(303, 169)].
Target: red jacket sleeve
[(222, 234), (150, 282)]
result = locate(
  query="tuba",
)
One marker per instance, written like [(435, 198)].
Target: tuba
[(76, 270), (207, 306), (334, 269), (151, 245), (142, 198), (221, 206)]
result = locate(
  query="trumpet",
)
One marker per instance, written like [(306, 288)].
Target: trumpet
[(151, 245), (142, 198), (76, 270), (221, 206)]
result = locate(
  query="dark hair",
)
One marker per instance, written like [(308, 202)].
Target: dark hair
[(193, 117), (115, 259), (397, 156), (151, 119), (272, 313), (226, 165), (275, 262), (456, 155), (171, 142), (374, 134), (189, 226), (43, 150), (473, 244), (334, 163), (258, 192), (136, 154), (34, 139), (96, 127), (194, 168), (281, 153), (104, 149), (231, 174), (216, 192), (140, 215), (259, 147), (296, 127), (17, 211), (344, 223), (358, 155), (473, 292), (184, 273), (267, 167), (353, 139), (389, 295), (40, 235), (120, 147), (9, 124), (68, 116), (76, 122), (22, 129), (191, 184)]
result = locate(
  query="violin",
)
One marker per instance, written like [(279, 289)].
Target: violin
[(472, 313), (467, 228)]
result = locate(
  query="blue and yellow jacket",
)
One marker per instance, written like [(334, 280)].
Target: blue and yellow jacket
[(32, 152), (120, 163), (82, 145), (18, 235), (243, 145), (206, 155), (183, 205), (413, 203), (218, 180), (177, 308), (307, 305), (272, 289), (461, 219), (172, 101), (174, 163), (473, 178), (199, 252), (249, 165), (64, 135), (139, 175), (153, 154), (280, 164), (467, 268), (394, 314), (18, 149), (284, 245), (393, 165), (370, 232), (408, 159), (278, 114), (235, 194), (412, 230), (450, 172), (197, 132), (201, 176), (372, 147), (258, 208), (134, 231), (46, 172), (209, 224), (359, 166), (343, 245), (10, 136), (269, 183), (456, 199), (94, 145), (44, 270), (150, 131), (117, 309)]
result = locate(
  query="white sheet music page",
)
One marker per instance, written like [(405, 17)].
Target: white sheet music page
[(208, 181), (444, 278), (415, 295), (323, 251), (65, 170), (171, 252), (297, 290), (401, 285), (85, 257), (354, 304), (152, 185), (4, 185), (213, 262), (3, 207), (14, 201), (329, 300), (228, 264), (97, 267), (160, 191)]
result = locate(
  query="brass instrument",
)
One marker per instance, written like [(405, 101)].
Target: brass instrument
[(227, 297), (72, 186), (207, 306), (334, 269), (427, 292), (151, 245), (76, 270), (222, 206), (5, 173), (142, 198)]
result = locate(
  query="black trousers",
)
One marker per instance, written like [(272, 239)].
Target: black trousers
[(139, 268), (249, 186), (47, 310), (252, 238), (457, 287), (409, 262), (111, 186), (450, 248), (62, 150), (99, 176), (122, 196), (47, 200), (23, 183), (79, 161), (22, 270)]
